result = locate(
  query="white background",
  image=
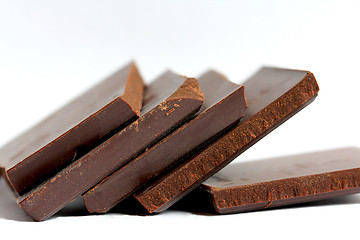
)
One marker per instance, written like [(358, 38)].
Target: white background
[(52, 51)]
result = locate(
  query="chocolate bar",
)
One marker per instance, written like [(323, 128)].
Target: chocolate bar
[(269, 183), (223, 106), (169, 101), (273, 96), (56, 141)]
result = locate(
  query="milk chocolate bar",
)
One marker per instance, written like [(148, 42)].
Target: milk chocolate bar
[(169, 101), (273, 96), (56, 141), (269, 183), (223, 106)]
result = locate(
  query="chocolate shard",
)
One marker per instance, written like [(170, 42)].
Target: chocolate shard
[(273, 96), (224, 105), (44, 149), (269, 183), (169, 101)]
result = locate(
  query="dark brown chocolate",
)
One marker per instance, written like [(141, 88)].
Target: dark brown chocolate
[(42, 150), (169, 101), (224, 105), (273, 96), (281, 181)]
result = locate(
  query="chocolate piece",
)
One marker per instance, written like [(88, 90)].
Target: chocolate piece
[(273, 96), (54, 142), (281, 181), (224, 105), (163, 110)]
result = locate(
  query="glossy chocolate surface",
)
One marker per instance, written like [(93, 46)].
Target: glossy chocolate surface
[(281, 181), (273, 96), (169, 101), (224, 105), (42, 150)]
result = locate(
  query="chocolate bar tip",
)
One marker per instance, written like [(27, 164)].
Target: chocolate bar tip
[(190, 88), (134, 103), (214, 72), (309, 74)]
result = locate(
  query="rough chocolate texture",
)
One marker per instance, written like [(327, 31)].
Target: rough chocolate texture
[(54, 142), (273, 96), (169, 101), (224, 105), (281, 181)]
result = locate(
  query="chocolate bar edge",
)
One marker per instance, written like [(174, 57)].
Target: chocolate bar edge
[(337, 183)]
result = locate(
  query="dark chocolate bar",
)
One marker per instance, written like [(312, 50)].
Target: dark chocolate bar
[(42, 150), (280, 181), (169, 101), (224, 105), (273, 96)]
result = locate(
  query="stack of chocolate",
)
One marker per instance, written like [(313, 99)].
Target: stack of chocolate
[(157, 143)]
